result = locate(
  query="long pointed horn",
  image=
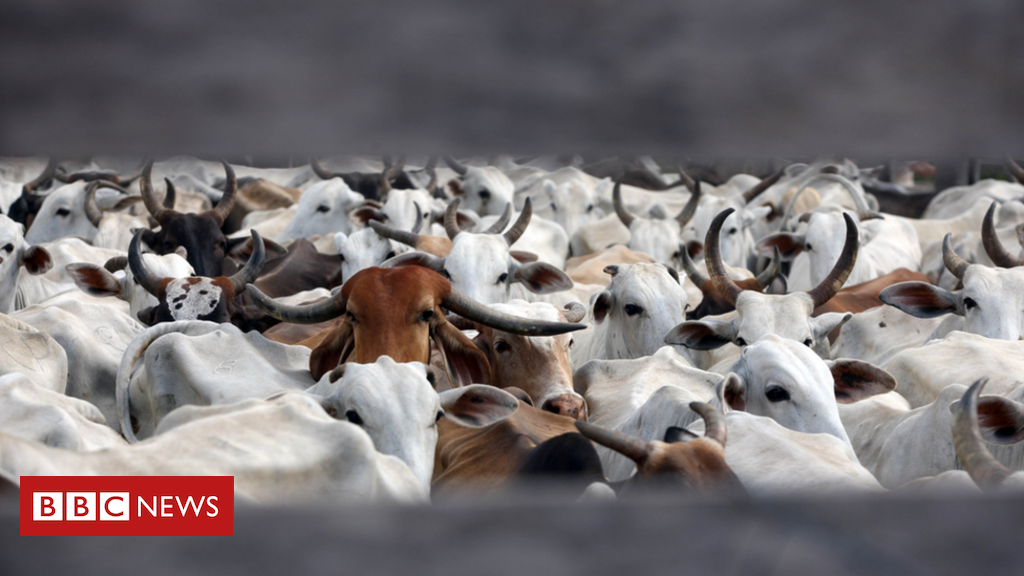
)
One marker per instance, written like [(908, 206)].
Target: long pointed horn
[(714, 421), (408, 238), (844, 266), (157, 210), (1015, 169), (320, 171), (451, 220), (320, 312), (624, 214), (956, 265), (695, 275), (227, 201), (685, 180), (454, 165), (143, 276), (418, 226), (774, 267), (522, 222), (116, 263), (251, 271), (993, 247), (468, 308), (170, 195), (690, 209), (987, 472), (39, 181), (500, 224), (762, 186), (633, 448), (713, 259), (92, 210)]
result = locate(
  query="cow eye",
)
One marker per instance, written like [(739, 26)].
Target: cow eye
[(741, 342), (63, 212), (440, 414), (501, 346), (808, 342), (503, 277), (970, 303), (632, 309), (390, 255), (776, 394), (8, 247), (353, 417), (426, 315), (590, 207), (444, 272), (732, 230), (677, 254), (323, 208), (809, 247)]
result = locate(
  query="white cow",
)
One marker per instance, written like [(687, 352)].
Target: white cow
[(323, 208), (34, 353), (361, 250), (15, 252), (103, 280), (485, 190)]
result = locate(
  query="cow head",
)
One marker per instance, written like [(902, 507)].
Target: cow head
[(366, 184), (24, 209), (992, 299), (15, 252), (978, 420), (199, 234), (100, 281), (361, 250), (660, 238), (323, 209), (398, 312), (760, 314), (401, 209), (486, 190)]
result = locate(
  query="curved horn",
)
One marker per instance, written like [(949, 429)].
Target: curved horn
[(713, 259), (774, 267), (624, 215), (116, 263), (762, 186), (841, 271), (695, 275), (500, 224), (227, 201), (170, 195), (320, 312), (690, 209), (1015, 169), (714, 421), (92, 210), (451, 221), (253, 266), (987, 472), (143, 276), (859, 201), (993, 247), (468, 308), (419, 219), (685, 180), (953, 261), (787, 213), (454, 165), (46, 176), (156, 209), (522, 222), (633, 448), (431, 168), (320, 171), (408, 238)]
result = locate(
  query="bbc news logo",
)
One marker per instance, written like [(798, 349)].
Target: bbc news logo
[(127, 506)]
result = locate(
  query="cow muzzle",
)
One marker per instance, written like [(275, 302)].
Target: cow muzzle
[(569, 405)]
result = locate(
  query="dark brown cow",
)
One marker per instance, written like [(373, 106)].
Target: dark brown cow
[(398, 312)]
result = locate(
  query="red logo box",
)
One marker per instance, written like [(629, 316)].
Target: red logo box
[(127, 506)]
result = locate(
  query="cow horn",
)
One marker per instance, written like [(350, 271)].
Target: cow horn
[(633, 448), (431, 168), (987, 472), (1015, 169), (146, 186), (253, 266), (451, 221), (843, 267), (143, 276), (116, 263), (714, 421), (522, 222), (695, 275), (762, 186), (454, 165), (227, 201), (92, 210), (468, 308), (690, 209), (685, 180), (311, 314), (409, 238), (500, 224), (956, 265), (419, 218), (320, 171), (624, 215), (170, 195), (46, 176), (774, 267), (787, 213), (713, 259), (859, 201), (993, 247)]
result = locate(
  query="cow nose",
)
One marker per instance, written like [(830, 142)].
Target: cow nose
[(566, 405)]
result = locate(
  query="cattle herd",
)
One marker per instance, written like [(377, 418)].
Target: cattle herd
[(365, 330)]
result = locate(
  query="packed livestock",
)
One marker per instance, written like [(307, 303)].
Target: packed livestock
[(361, 330)]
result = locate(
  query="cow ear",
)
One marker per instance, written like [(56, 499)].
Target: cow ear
[(1000, 420), (701, 334), (542, 278), (465, 362), (752, 215), (477, 405), (331, 351), (856, 380), (734, 392), (789, 245), (922, 299), (181, 251), (36, 260), (827, 322), (602, 304), (94, 280), (415, 258), (522, 256), (363, 214)]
